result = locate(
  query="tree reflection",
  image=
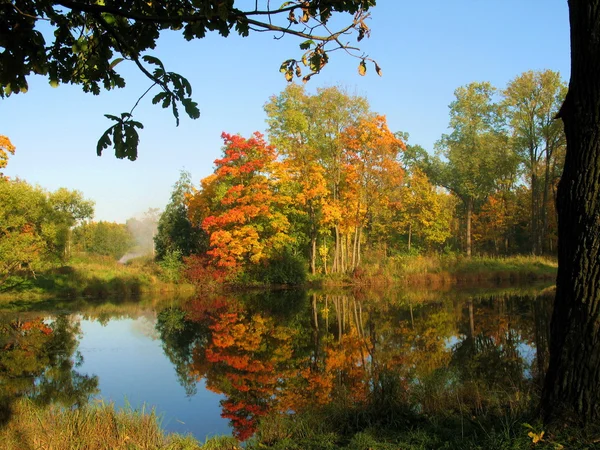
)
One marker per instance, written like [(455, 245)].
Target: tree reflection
[(39, 360), (381, 357)]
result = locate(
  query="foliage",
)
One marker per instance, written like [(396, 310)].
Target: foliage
[(175, 232), (35, 226), (6, 148), (533, 100), (425, 211), (239, 208), (103, 238), (171, 266), (284, 268), (86, 43)]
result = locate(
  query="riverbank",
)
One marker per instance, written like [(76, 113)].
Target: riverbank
[(103, 277), (92, 277), (102, 426), (441, 270)]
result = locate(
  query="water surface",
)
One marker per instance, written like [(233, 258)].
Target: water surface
[(217, 365)]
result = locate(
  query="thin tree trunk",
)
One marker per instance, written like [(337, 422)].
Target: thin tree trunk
[(572, 384), (409, 236), (313, 254), (469, 216), (354, 247), (358, 249)]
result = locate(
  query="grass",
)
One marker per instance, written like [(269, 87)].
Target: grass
[(441, 270), (321, 430), (92, 277), (96, 427)]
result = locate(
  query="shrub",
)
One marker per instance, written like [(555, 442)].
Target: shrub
[(171, 266), (286, 268)]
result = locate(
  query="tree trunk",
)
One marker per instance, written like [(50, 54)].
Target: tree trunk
[(409, 236), (469, 214), (572, 384), (313, 254), (535, 229), (544, 208), (358, 249)]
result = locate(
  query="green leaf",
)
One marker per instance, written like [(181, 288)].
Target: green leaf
[(153, 60), (306, 44), (158, 97), (191, 108), (116, 61), (104, 141)]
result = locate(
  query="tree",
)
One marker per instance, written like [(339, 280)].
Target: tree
[(476, 150), (572, 384), (308, 130), (533, 100), (6, 147), (175, 232), (68, 208), (424, 211), (373, 172), (240, 207), (89, 40), (103, 238)]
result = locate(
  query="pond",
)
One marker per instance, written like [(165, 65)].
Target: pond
[(218, 364)]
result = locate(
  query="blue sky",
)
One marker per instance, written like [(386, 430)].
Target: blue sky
[(426, 50)]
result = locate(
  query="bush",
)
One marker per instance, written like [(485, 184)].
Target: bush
[(286, 268), (171, 266)]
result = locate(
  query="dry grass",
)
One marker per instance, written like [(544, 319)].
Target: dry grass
[(90, 428)]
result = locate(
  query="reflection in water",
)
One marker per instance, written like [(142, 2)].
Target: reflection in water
[(384, 355), (39, 360), (370, 358)]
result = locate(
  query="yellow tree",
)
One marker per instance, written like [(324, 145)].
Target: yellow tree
[(6, 147), (373, 172), (425, 211)]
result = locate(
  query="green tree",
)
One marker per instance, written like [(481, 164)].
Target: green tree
[(89, 40), (476, 152), (103, 238), (425, 211), (68, 208), (533, 100), (23, 227), (175, 232), (35, 225)]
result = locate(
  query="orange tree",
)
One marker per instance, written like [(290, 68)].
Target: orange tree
[(240, 208), (373, 174)]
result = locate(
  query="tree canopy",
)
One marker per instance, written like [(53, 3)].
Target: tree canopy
[(82, 42)]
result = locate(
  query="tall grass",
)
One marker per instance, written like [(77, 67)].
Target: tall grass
[(96, 427), (439, 270)]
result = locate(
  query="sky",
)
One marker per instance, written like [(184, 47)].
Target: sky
[(425, 49)]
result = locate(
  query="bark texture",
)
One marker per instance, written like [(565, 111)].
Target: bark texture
[(572, 384)]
